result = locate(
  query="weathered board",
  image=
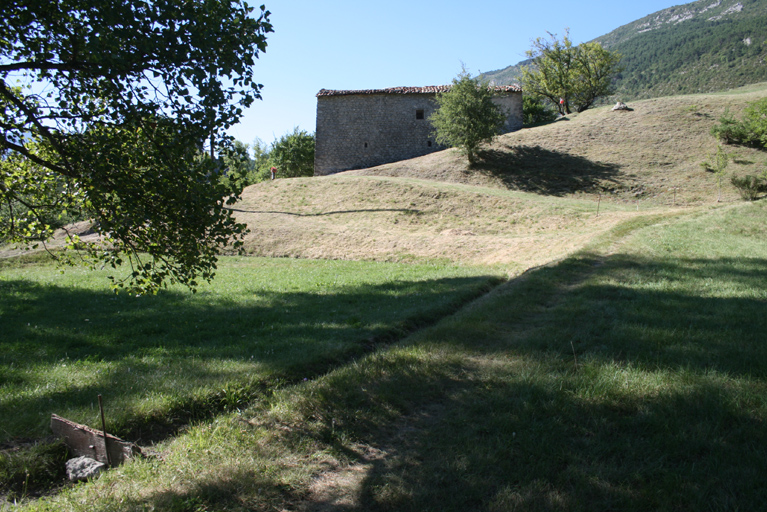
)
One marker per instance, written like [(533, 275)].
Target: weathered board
[(85, 441)]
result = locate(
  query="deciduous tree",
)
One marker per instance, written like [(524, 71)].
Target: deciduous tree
[(104, 109), (293, 154), (467, 116), (571, 77)]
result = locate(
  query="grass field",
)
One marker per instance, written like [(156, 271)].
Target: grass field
[(162, 361), (621, 365), (629, 376)]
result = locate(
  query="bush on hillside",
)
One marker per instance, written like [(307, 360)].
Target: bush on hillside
[(466, 116), (536, 111), (750, 186), (751, 130)]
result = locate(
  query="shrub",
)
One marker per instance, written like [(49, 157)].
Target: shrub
[(749, 186), (729, 130), (536, 111), (755, 119), (749, 131)]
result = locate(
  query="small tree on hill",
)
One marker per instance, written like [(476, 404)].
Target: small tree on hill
[(467, 116), (718, 165), (293, 154), (571, 77)]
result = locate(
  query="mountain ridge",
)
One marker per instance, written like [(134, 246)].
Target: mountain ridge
[(702, 46)]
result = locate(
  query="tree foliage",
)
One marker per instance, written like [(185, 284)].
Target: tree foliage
[(466, 116), (293, 154), (536, 111), (751, 130), (104, 109), (571, 77)]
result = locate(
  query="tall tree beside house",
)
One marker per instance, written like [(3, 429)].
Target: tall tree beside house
[(466, 116), (115, 102), (571, 77)]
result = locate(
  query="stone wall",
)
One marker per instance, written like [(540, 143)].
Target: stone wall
[(359, 129)]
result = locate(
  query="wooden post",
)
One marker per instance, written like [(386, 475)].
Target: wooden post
[(104, 431)]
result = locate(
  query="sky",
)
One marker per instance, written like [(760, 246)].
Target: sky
[(368, 44)]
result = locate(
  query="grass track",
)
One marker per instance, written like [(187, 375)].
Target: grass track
[(163, 361)]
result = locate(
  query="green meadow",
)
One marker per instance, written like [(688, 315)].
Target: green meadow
[(162, 361), (629, 376), (620, 365)]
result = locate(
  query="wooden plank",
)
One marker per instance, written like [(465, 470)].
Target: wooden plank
[(85, 441)]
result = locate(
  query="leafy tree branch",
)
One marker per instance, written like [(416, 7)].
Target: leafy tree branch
[(115, 103)]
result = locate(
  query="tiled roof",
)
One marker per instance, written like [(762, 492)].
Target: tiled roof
[(431, 89)]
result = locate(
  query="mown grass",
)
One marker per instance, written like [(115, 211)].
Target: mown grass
[(404, 219), (163, 361), (628, 377)]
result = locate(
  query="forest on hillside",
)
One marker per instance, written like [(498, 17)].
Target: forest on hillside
[(702, 54), (707, 56)]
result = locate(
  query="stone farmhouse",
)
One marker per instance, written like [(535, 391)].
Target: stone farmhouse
[(359, 129)]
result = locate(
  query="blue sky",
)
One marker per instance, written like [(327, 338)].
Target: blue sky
[(363, 44)]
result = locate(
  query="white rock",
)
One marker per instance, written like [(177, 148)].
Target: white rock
[(83, 468)]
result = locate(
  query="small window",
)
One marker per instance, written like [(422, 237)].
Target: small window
[(428, 143), (366, 145), (419, 113)]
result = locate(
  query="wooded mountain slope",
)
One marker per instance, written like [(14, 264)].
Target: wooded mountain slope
[(702, 46)]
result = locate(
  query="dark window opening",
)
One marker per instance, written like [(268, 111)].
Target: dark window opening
[(419, 113), (428, 143), (366, 144)]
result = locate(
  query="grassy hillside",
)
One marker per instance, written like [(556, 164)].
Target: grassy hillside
[(386, 361), (532, 198)]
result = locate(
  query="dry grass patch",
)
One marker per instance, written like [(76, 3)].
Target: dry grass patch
[(640, 155), (403, 219)]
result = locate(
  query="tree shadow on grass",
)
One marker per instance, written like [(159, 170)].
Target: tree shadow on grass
[(588, 394), (165, 360), (662, 409), (500, 443), (545, 172)]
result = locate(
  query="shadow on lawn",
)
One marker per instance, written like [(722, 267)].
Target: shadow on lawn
[(207, 354), (545, 172), (664, 408)]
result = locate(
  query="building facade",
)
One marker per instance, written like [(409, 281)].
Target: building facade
[(360, 129)]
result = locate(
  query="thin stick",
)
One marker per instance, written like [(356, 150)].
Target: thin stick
[(575, 358), (104, 430), (599, 201)]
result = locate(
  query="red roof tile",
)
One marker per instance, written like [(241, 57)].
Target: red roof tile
[(431, 89)]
